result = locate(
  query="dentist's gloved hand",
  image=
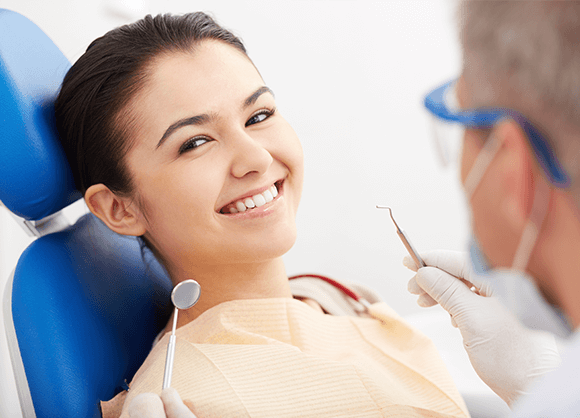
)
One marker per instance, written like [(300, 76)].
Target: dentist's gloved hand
[(506, 355), (167, 405)]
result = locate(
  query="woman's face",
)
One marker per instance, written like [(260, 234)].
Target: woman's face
[(217, 170)]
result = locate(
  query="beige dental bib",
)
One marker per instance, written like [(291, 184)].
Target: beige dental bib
[(281, 358)]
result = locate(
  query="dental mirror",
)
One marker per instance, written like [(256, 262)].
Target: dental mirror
[(186, 294), (183, 296)]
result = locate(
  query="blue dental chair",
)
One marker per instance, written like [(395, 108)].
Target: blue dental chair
[(84, 304)]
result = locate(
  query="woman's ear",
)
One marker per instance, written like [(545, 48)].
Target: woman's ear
[(120, 214)]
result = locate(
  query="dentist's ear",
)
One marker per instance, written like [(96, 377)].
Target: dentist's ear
[(120, 214), (518, 173)]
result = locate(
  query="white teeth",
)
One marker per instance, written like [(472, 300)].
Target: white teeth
[(268, 196), (253, 202), (240, 206), (259, 200)]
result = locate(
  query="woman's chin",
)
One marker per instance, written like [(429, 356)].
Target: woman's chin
[(258, 251)]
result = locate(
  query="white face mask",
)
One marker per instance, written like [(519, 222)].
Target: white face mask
[(514, 287)]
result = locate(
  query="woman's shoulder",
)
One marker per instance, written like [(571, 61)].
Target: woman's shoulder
[(332, 299), (114, 407)]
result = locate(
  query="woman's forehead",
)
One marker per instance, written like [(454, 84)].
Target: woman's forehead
[(208, 60), (211, 73)]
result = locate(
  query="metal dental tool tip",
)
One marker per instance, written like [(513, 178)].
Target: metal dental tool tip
[(183, 296), (406, 242)]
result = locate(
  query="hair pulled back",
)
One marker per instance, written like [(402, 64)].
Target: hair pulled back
[(95, 91)]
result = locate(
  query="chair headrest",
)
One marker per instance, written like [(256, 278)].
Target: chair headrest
[(86, 305), (35, 178)]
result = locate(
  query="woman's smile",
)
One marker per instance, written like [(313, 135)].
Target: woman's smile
[(254, 200)]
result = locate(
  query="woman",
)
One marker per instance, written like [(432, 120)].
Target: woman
[(174, 137)]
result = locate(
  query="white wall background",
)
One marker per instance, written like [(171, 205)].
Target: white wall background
[(350, 77)]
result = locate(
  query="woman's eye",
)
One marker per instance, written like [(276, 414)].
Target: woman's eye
[(193, 143), (260, 116)]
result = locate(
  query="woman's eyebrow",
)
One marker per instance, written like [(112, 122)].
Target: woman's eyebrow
[(254, 96), (194, 120)]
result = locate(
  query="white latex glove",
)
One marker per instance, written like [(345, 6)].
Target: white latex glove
[(506, 355), (167, 405)]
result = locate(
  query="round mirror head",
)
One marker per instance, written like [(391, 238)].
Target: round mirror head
[(186, 294)]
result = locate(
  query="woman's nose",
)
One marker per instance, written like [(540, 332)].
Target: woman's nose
[(249, 156)]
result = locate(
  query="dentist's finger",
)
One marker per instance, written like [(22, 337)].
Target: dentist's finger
[(174, 406), (146, 405), (445, 260), (410, 263), (413, 287), (447, 290), (453, 322), (426, 301), (455, 263)]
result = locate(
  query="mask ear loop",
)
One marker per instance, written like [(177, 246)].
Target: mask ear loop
[(479, 167), (539, 206), (531, 231)]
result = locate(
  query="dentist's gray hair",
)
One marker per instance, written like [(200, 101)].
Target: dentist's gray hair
[(525, 55)]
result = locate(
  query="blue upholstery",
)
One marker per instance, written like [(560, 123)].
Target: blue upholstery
[(86, 303), (35, 180), (86, 309)]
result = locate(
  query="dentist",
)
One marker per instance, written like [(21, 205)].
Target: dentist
[(515, 112)]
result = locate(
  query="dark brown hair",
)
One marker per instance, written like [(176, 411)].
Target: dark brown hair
[(90, 107)]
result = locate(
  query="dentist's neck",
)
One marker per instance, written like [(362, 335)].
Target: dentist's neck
[(556, 265)]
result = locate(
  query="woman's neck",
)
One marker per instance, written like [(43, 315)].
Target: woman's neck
[(223, 283)]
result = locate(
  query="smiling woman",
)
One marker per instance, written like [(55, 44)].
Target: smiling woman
[(174, 137), (237, 147)]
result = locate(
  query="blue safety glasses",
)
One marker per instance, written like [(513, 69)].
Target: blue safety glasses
[(450, 122)]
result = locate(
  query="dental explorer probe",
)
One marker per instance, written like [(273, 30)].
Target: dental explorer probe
[(415, 255), (412, 252), (183, 296)]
